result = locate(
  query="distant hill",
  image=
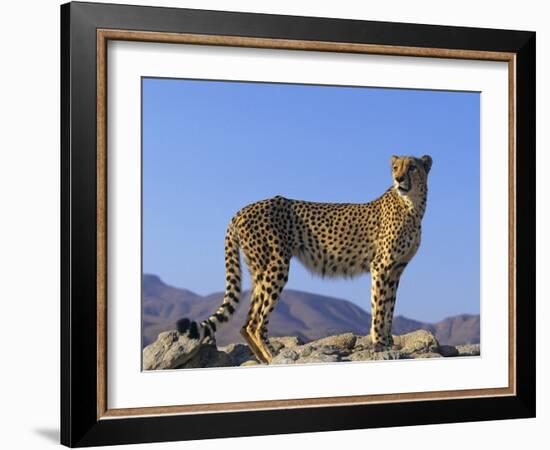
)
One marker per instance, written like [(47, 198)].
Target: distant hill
[(308, 316)]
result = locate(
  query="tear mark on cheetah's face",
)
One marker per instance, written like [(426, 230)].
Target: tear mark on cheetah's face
[(410, 175)]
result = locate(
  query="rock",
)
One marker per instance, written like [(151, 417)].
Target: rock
[(208, 356), (448, 350), (320, 357), (170, 350), (344, 341), (286, 341), (469, 350), (427, 355), (371, 355), (398, 341), (329, 349), (238, 353), (322, 353), (363, 342), (419, 341), (307, 350), (285, 356)]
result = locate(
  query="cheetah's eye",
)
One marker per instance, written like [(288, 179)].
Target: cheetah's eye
[(394, 167), (412, 168)]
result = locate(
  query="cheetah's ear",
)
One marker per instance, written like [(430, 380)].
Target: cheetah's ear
[(393, 159), (427, 161)]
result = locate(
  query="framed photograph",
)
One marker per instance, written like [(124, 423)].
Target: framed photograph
[(278, 224)]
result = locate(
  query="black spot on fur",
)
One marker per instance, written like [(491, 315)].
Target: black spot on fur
[(229, 308), (220, 317), (193, 331)]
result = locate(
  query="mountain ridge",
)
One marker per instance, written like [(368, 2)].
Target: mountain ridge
[(305, 315)]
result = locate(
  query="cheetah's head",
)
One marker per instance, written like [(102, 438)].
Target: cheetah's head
[(410, 174)]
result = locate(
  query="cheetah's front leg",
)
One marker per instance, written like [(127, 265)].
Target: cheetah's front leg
[(385, 280)]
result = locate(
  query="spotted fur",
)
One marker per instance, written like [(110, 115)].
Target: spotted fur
[(330, 239)]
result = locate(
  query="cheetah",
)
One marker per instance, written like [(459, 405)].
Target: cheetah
[(329, 239)]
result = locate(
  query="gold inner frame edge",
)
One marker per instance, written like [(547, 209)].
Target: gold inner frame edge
[(103, 36)]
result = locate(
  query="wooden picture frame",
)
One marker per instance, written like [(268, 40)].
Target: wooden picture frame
[(86, 418)]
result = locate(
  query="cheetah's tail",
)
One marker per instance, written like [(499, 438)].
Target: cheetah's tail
[(231, 297)]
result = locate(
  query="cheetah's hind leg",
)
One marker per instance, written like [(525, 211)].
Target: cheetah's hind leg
[(248, 331), (270, 285), (254, 347)]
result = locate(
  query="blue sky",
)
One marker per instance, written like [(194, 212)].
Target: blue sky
[(211, 147)]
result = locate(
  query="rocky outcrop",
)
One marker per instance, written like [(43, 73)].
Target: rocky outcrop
[(469, 350), (172, 350)]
